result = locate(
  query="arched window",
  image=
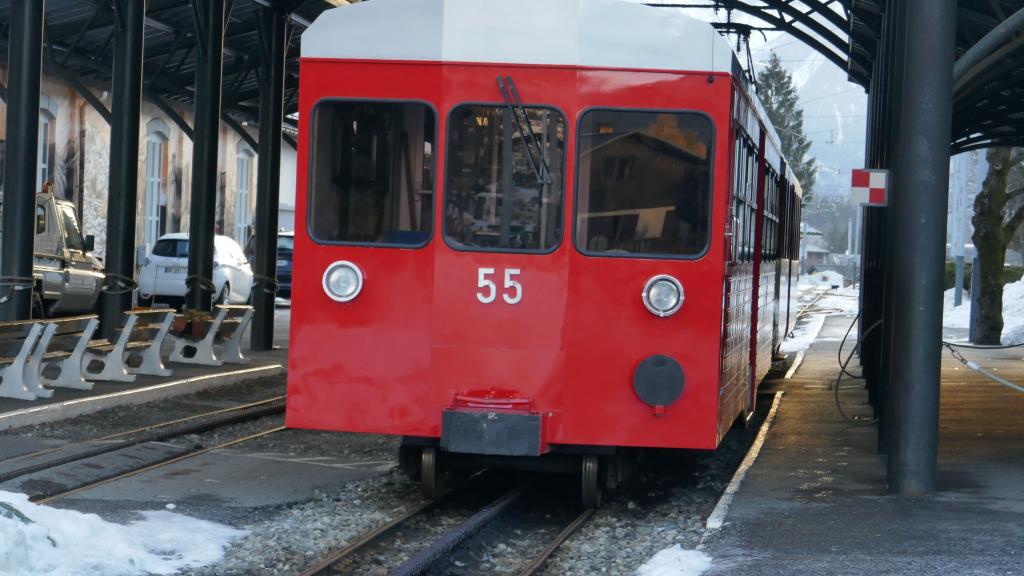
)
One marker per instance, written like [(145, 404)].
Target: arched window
[(157, 135), (243, 192)]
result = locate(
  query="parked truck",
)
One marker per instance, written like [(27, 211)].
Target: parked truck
[(67, 277)]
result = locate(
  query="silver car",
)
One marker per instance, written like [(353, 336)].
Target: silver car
[(67, 276)]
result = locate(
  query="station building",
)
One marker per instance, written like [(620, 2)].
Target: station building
[(74, 149)]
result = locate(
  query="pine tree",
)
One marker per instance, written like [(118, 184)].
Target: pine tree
[(777, 93)]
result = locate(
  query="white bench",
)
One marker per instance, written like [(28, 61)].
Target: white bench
[(17, 339), (143, 334), (225, 329), (27, 346)]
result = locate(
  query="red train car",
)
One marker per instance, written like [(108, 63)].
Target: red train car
[(533, 229)]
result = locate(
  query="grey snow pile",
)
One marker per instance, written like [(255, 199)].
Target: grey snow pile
[(1013, 312), (39, 540)]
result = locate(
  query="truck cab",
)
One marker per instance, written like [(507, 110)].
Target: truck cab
[(67, 276)]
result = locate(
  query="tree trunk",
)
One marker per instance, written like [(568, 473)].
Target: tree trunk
[(990, 240)]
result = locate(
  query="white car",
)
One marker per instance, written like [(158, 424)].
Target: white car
[(164, 271)]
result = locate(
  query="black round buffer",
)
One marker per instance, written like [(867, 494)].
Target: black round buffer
[(658, 381)]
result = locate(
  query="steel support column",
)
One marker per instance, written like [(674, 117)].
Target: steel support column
[(274, 48), (119, 263), (209, 21), (24, 62), (892, 153), (873, 253), (868, 272), (918, 209)]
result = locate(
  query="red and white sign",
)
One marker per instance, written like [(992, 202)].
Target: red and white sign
[(870, 187)]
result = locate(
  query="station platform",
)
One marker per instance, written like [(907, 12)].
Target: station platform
[(186, 379), (815, 501)]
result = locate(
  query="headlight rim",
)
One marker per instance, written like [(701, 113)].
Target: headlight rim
[(343, 264), (645, 295)]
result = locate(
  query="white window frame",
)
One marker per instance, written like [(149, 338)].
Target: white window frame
[(157, 138), (44, 170), (243, 192)]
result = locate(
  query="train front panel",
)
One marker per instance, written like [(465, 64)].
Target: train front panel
[(510, 259)]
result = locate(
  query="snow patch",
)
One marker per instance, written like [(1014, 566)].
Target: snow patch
[(803, 335), (1013, 312), (817, 301), (674, 561), (956, 316), (65, 542), (826, 279), (842, 301)]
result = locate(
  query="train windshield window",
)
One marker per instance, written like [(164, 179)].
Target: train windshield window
[(644, 184), (372, 170), (504, 183)]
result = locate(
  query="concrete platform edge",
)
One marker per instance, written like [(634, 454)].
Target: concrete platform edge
[(70, 409), (716, 519)]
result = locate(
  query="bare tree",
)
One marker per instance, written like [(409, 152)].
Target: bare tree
[(998, 214)]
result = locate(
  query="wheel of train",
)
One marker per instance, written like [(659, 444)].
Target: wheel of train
[(431, 473)]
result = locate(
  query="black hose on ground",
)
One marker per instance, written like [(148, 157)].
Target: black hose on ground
[(842, 370)]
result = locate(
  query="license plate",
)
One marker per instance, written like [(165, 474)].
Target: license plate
[(173, 269)]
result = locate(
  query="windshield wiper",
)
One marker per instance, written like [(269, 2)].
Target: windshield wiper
[(515, 107)]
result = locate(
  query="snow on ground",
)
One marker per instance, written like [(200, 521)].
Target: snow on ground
[(817, 300), (1013, 312), (803, 335), (825, 279), (39, 540), (674, 561)]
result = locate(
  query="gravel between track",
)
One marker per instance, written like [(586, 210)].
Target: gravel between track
[(667, 505), (298, 535)]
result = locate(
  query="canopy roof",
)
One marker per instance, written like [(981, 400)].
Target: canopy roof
[(78, 38), (987, 108), (847, 32)]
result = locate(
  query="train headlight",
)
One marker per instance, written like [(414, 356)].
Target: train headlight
[(663, 295), (343, 281)]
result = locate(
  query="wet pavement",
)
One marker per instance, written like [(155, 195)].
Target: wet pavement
[(816, 502)]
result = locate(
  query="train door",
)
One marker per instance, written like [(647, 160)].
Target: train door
[(500, 279), (739, 298)]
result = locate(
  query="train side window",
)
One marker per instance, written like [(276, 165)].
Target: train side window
[(371, 173), (660, 203), (504, 179), (744, 198)]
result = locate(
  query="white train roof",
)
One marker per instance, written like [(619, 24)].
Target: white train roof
[(585, 33)]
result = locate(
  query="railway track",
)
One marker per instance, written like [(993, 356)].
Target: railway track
[(112, 457), (45, 499), (458, 546), (23, 464)]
